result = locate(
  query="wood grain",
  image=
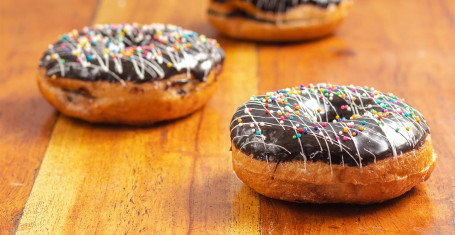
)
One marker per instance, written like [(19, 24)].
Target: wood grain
[(409, 56), (175, 177), (26, 120)]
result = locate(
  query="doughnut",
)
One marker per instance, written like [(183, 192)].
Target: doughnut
[(130, 73), (330, 144), (277, 20)]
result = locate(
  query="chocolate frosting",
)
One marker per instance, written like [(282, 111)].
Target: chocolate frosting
[(341, 125), (285, 5), (135, 53)]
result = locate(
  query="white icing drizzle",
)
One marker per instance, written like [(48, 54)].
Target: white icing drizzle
[(153, 51), (307, 110)]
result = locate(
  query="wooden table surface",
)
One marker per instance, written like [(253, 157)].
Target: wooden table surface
[(58, 174)]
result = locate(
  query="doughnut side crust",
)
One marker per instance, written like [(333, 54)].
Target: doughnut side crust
[(300, 23), (132, 103), (318, 182)]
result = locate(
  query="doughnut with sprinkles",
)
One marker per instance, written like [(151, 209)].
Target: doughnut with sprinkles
[(326, 143), (130, 73)]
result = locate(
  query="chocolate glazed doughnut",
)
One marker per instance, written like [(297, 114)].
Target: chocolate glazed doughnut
[(277, 20), (327, 144), (131, 74)]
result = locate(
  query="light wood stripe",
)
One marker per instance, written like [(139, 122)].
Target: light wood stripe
[(170, 178)]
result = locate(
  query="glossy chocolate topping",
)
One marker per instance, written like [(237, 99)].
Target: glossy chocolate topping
[(136, 53), (341, 125), (284, 5)]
